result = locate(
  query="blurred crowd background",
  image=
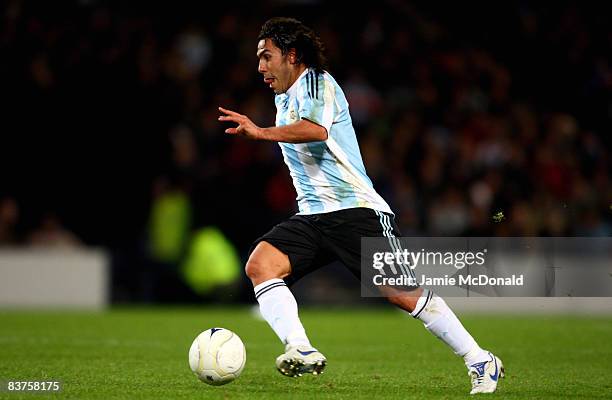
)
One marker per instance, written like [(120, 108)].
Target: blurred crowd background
[(474, 119)]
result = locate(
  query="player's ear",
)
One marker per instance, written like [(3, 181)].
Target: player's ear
[(292, 56)]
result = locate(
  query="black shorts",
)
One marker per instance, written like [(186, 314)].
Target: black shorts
[(313, 241)]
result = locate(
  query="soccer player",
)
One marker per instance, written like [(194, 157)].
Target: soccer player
[(337, 204)]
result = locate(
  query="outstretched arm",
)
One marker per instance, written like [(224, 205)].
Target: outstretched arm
[(302, 131)]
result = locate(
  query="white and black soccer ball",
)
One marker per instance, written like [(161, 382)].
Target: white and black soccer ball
[(217, 356)]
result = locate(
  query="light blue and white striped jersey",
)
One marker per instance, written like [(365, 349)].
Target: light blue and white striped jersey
[(328, 175)]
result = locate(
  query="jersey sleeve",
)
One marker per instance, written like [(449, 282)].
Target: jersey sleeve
[(316, 100)]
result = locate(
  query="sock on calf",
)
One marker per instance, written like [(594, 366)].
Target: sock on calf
[(440, 320), (279, 308)]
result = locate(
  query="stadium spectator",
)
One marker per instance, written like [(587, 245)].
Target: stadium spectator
[(9, 217), (51, 233)]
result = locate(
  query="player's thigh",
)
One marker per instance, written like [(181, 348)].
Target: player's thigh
[(299, 242)]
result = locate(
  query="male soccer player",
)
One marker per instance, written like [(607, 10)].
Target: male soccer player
[(337, 204)]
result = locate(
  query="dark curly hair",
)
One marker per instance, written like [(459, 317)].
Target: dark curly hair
[(288, 33)]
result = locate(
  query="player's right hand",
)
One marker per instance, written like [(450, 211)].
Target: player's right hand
[(245, 126)]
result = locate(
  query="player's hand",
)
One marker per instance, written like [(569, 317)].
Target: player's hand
[(245, 125)]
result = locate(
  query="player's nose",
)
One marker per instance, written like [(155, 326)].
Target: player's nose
[(261, 67)]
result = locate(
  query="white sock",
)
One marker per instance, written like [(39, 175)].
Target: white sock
[(440, 320), (279, 308)]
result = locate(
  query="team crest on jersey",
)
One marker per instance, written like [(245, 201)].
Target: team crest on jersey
[(292, 115)]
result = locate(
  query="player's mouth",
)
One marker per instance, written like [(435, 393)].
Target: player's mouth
[(269, 81)]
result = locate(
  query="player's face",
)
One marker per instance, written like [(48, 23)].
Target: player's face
[(275, 67)]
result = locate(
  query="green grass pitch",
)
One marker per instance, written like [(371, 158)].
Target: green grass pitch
[(373, 354)]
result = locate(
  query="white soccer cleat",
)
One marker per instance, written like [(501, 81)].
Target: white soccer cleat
[(486, 374), (300, 360)]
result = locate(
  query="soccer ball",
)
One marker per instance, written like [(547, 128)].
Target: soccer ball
[(217, 356)]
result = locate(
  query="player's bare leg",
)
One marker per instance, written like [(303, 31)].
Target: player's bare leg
[(267, 262), (266, 267), (484, 368)]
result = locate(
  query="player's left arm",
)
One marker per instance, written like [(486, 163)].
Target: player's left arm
[(302, 131)]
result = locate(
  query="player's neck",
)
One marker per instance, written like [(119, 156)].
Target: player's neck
[(296, 73)]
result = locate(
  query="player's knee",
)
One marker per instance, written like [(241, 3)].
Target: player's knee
[(253, 269), (267, 262), (259, 270), (406, 301)]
